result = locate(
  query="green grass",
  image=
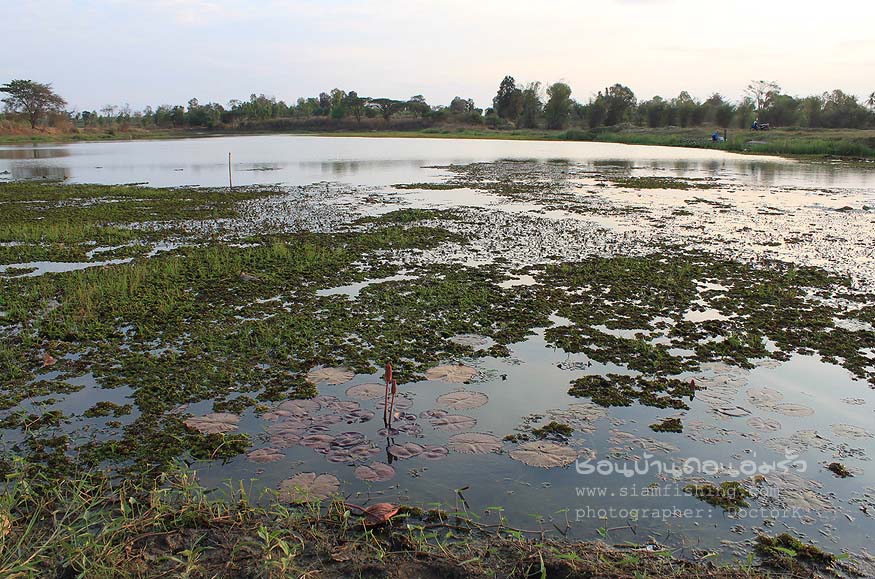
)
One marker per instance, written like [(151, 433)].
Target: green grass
[(91, 526)]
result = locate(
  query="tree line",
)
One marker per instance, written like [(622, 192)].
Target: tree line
[(515, 105)]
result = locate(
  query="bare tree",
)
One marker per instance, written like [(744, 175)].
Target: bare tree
[(761, 92)]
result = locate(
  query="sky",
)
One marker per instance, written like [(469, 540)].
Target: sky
[(152, 52)]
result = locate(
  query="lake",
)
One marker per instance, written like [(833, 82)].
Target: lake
[(526, 207)]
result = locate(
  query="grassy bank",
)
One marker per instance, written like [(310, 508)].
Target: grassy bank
[(816, 143), (90, 526)]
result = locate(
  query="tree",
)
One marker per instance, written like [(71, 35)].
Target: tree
[(558, 105), (33, 99), (417, 106), (531, 106), (460, 105), (761, 92), (870, 102), (509, 99), (620, 100), (387, 107)]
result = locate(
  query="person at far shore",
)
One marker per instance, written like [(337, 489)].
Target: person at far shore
[(716, 137)]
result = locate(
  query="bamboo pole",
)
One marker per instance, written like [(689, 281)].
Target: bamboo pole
[(230, 181)]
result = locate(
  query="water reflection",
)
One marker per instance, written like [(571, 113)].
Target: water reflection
[(299, 160), (31, 152)]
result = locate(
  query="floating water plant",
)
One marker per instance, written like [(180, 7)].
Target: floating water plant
[(668, 425), (462, 400), (217, 423), (544, 454), (307, 487), (729, 495)]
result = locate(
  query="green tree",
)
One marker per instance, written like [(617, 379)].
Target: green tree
[(531, 106), (33, 99), (558, 106), (620, 100), (387, 107), (417, 106), (508, 102)]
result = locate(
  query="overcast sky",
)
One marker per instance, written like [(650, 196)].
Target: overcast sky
[(167, 51)]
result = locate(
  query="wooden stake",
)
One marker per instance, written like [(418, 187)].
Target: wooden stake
[(230, 182)]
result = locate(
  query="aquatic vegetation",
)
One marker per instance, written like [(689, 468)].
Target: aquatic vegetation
[(729, 495), (839, 470), (308, 486), (453, 422), (216, 423), (544, 454), (455, 373), (622, 390), (462, 400), (329, 375), (375, 472), (367, 391), (474, 443), (788, 552), (553, 430), (668, 425), (265, 455), (662, 183)]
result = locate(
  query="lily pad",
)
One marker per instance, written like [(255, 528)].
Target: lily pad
[(762, 396), (763, 424), (329, 375), (474, 443), (463, 400), (216, 423), (308, 486), (317, 441), (850, 431), (264, 455), (433, 452), (368, 391), (543, 454), (374, 472), (789, 409), (406, 450), (453, 422), (455, 373)]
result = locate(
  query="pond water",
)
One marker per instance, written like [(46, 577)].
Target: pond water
[(754, 207)]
